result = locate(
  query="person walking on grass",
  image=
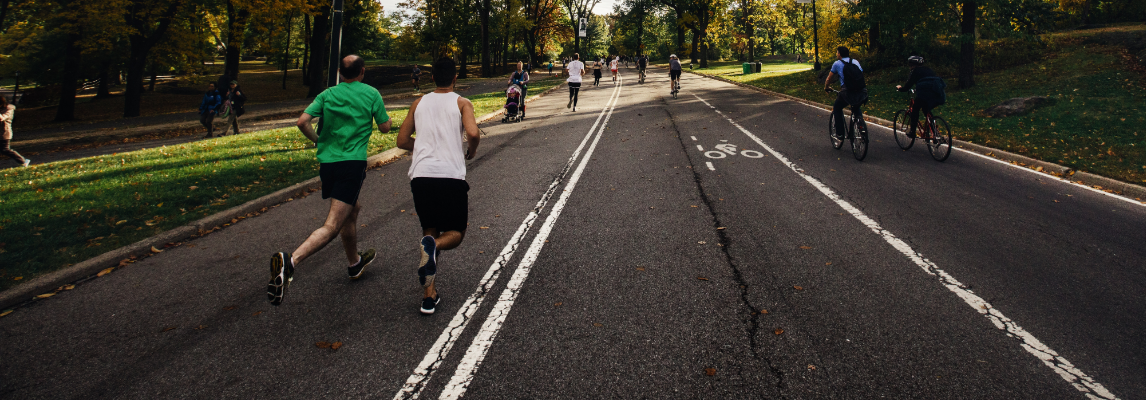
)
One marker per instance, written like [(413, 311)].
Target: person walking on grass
[(347, 112), (208, 107), (234, 99), (576, 68), (438, 171), (7, 112)]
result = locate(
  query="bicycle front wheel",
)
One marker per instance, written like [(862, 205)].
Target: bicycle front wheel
[(859, 140), (837, 140), (900, 126), (940, 143)]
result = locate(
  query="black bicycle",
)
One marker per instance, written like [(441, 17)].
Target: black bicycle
[(857, 131), (934, 130)]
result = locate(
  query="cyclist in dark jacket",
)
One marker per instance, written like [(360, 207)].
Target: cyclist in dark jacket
[(928, 93), (208, 107)]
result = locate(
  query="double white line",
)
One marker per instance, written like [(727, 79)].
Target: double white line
[(480, 346)]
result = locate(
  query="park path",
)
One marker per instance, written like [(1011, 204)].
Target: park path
[(709, 246)]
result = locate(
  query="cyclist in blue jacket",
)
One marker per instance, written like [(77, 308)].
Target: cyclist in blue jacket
[(208, 107)]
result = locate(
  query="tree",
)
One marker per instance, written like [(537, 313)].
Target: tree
[(577, 9), (967, 44), (148, 21)]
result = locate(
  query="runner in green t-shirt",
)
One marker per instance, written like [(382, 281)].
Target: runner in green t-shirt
[(348, 113)]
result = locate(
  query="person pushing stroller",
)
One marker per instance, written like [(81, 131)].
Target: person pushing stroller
[(520, 78)]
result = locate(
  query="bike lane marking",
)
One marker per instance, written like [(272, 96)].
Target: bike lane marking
[(1080, 380), (425, 370), (478, 349)]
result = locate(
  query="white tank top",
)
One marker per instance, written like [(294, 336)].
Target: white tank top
[(438, 151)]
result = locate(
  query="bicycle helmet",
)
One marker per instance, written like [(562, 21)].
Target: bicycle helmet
[(672, 56), (915, 61)]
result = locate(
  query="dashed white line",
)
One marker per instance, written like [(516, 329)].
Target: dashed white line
[(693, 138), (1080, 380), (699, 147), (437, 353), (710, 167), (493, 323)]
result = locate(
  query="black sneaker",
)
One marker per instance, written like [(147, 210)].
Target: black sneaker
[(430, 303), (355, 271), (282, 273), (429, 265)]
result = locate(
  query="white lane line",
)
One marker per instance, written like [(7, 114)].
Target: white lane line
[(433, 359), (699, 147), (493, 323), (1080, 380), (1020, 167), (710, 167), (693, 138)]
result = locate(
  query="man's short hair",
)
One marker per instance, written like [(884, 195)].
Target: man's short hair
[(844, 52), (351, 69), (444, 71), (576, 56)]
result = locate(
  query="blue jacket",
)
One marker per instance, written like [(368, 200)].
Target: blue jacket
[(211, 101)]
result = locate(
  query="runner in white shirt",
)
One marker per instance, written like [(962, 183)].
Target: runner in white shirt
[(576, 69), (613, 67)]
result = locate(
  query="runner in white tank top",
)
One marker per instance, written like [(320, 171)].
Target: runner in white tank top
[(438, 170)]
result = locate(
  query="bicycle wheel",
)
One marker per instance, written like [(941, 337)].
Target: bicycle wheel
[(940, 143), (837, 140), (859, 139), (900, 126)]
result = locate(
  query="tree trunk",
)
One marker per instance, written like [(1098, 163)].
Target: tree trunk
[(873, 44), (641, 30), (102, 91), (3, 14), (967, 49), (462, 74), (485, 59), (679, 33), (692, 54), (66, 111), (154, 76), (236, 27), (318, 41), (704, 51), (306, 50), (286, 51), (133, 96)]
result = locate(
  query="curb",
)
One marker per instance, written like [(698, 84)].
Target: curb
[(52, 281), (1113, 186)]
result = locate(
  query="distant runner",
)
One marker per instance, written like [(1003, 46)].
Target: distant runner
[(576, 69), (438, 170), (347, 111)]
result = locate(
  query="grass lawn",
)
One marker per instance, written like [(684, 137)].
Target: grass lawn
[(57, 214), (1095, 123)]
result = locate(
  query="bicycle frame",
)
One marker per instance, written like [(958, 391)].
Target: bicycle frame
[(924, 124)]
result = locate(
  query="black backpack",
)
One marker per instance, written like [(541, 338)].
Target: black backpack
[(933, 89), (853, 76)]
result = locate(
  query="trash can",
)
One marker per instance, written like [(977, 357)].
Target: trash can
[(757, 66), (747, 67)]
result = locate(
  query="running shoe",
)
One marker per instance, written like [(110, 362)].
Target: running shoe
[(430, 303), (570, 104), (365, 258), (282, 273), (429, 265), (27, 161)]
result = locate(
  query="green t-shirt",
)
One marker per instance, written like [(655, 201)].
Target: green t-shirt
[(347, 112)]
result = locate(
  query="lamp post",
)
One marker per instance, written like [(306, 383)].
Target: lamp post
[(17, 89), (335, 42)]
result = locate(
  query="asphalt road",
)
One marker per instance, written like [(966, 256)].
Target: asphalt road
[(781, 269)]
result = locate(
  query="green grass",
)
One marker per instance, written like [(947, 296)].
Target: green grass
[(1097, 122), (58, 214)]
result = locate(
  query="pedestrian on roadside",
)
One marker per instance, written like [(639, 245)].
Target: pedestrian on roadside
[(234, 100), (613, 67), (576, 68), (347, 112), (416, 75), (438, 170), (550, 67), (7, 113), (597, 72), (520, 78), (208, 107)]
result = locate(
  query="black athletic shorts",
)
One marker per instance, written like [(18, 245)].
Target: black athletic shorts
[(574, 85), (441, 203), (342, 180), (674, 73)]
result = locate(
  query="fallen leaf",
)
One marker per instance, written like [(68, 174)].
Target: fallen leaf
[(763, 311), (828, 263), (702, 278), (798, 287), (640, 269), (779, 331), (17, 278), (256, 313), (402, 211), (811, 367), (805, 247), (121, 222), (322, 345), (124, 262), (193, 187), (159, 205), (710, 371), (68, 287), (484, 227), (155, 250), (720, 228), (169, 328), (46, 295), (229, 308), (694, 207), (700, 242), (597, 324), (557, 304), (481, 252), (6, 312), (335, 345), (200, 327), (105, 272)]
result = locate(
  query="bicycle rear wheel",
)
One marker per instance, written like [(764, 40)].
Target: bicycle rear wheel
[(859, 139), (837, 140), (940, 143), (900, 126)]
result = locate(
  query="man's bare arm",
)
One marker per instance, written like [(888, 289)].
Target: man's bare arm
[(304, 126), (828, 82), (386, 126), (404, 141), (469, 122)]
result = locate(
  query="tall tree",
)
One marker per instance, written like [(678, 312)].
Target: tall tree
[(485, 59), (237, 17), (577, 9), (319, 39), (149, 21), (967, 44)]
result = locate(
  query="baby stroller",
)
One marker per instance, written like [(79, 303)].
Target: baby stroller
[(514, 105)]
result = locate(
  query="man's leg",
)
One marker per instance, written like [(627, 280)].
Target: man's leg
[(6, 149), (349, 235), (335, 220), (208, 120), (443, 241), (234, 121), (838, 112), (914, 120), (227, 124)]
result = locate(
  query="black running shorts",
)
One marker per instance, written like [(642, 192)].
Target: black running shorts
[(342, 180), (441, 203), (674, 73)]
